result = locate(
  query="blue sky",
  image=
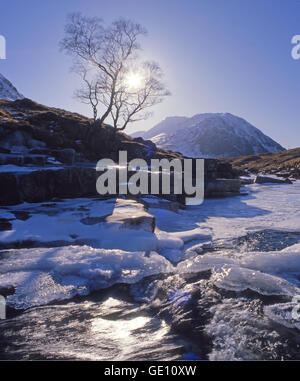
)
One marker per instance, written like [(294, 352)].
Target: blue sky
[(218, 56)]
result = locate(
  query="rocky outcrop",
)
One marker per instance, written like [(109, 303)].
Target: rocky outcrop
[(80, 181), (43, 185), (271, 180), (222, 187), (20, 160)]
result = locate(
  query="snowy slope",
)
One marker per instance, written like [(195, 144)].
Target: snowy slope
[(8, 91), (210, 135)]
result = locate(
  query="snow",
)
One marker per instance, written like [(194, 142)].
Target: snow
[(8, 91), (200, 135)]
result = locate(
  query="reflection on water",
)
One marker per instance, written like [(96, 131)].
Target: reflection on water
[(111, 329)]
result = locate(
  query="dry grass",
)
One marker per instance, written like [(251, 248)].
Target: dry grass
[(288, 160)]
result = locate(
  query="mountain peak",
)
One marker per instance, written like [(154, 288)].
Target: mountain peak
[(8, 91), (210, 135)]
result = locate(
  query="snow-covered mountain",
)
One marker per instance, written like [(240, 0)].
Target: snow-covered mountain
[(210, 135), (8, 91)]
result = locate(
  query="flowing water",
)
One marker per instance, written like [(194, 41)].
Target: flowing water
[(229, 297)]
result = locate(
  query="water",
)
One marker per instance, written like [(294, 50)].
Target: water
[(230, 300)]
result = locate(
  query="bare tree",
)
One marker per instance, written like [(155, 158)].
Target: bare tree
[(136, 95), (90, 91), (110, 53)]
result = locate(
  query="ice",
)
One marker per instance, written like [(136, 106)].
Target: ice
[(283, 263), (43, 275), (271, 273), (234, 278), (282, 313)]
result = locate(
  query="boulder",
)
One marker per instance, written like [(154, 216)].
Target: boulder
[(129, 214), (271, 180), (246, 181)]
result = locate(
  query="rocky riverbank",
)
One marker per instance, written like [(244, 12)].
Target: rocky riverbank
[(48, 153)]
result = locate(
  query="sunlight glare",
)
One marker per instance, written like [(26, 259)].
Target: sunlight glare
[(134, 80)]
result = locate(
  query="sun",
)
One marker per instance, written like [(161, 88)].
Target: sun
[(134, 81)]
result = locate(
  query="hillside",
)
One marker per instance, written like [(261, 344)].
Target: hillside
[(285, 163), (210, 135), (26, 126)]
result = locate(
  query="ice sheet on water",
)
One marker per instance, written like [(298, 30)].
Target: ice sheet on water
[(43, 275), (235, 278), (271, 273)]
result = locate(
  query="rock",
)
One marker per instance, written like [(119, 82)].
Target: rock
[(222, 187), (4, 150), (38, 160), (11, 159), (246, 181), (19, 141), (155, 202), (129, 214), (284, 174), (43, 185), (271, 180), (66, 156), (9, 192), (5, 224)]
